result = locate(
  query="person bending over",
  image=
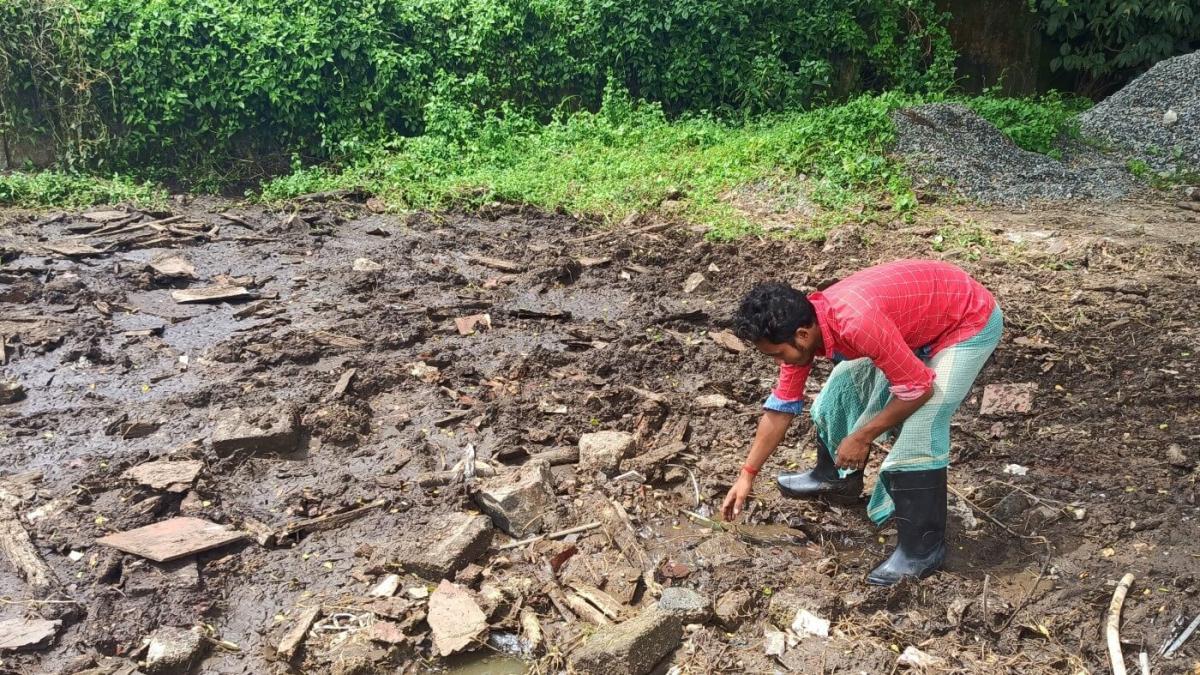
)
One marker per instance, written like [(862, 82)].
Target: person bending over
[(908, 339)]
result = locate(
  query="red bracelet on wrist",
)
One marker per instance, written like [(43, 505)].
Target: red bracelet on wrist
[(750, 470)]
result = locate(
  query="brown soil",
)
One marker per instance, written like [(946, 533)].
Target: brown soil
[(1101, 310)]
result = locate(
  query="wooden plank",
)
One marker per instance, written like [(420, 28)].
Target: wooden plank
[(71, 249), (585, 610), (17, 547), (210, 294), (497, 263), (297, 633), (174, 538)]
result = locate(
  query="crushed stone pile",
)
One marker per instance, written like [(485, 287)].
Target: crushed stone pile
[(1156, 117), (951, 149)]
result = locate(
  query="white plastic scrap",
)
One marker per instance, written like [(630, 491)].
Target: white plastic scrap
[(807, 623), (1016, 470)]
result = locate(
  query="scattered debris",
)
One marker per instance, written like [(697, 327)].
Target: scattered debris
[(1016, 470), (733, 608), (365, 265), (11, 391), (343, 384), (173, 538), (689, 605), (633, 647), (912, 657), (1003, 399), (531, 631), (259, 430), (173, 650), (774, 642), (518, 502), (496, 263), (711, 401), (16, 545), (1176, 457), (608, 605), (210, 294), (174, 267), (326, 521), (602, 451), (105, 216), (335, 340), (72, 249), (467, 325), (20, 634), (294, 637), (455, 619), (168, 475), (695, 282), (440, 551), (807, 623), (728, 341)]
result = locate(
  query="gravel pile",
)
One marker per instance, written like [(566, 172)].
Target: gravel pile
[(1156, 117), (950, 149)]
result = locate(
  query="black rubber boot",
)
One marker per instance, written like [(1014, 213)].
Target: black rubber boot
[(821, 481), (920, 499)]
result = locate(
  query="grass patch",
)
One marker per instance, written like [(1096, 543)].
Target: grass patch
[(628, 158), (54, 189)]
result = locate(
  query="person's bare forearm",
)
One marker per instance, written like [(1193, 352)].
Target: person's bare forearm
[(893, 414), (772, 427)]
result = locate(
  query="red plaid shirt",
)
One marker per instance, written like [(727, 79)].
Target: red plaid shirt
[(886, 312)]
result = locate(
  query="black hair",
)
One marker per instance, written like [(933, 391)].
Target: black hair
[(772, 312)]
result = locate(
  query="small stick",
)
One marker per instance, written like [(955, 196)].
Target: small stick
[(1144, 662), (552, 535), (1178, 642), (1113, 625)]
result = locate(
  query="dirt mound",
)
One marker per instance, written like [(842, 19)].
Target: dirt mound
[(1155, 118), (951, 149)]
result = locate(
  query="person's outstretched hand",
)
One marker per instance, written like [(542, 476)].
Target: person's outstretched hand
[(734, 501)]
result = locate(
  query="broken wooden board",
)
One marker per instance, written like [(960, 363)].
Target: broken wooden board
[(16, 545), (174, 538), (166, 475), (455, 618), (1005, 399), (72, 249), (210, 294), (17, 634), (105, 216)]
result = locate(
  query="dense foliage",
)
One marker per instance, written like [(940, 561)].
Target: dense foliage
[(1106, 41), (196, 82)]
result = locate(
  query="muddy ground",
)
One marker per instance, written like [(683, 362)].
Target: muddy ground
[(592, 332)]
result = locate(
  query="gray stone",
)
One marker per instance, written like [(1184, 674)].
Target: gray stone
[(262, 430), (1178, 458), (732, 609), (172, 650), (631, 648), (603, 451), (440, 551), (518, 502), (685, 603)]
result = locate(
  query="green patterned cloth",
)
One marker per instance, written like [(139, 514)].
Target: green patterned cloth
[(856, 391)]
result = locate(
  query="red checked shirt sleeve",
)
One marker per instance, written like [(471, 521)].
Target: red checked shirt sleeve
[(875, 336), (788, 395)]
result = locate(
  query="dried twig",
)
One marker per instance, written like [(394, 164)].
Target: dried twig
[(552, 535)]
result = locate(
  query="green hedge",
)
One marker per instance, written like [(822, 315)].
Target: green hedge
[(188, 82)]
